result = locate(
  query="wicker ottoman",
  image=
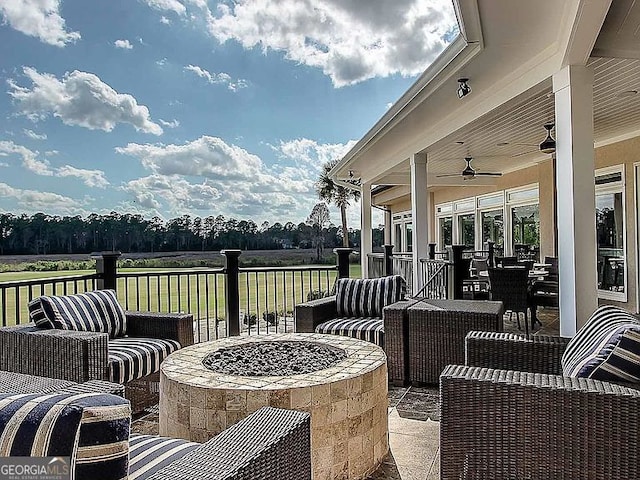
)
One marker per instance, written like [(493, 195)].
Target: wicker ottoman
[(423, 337)]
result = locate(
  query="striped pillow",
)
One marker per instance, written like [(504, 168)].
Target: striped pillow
[(91, 430), (97, 311), (606, 348), (366, 297)]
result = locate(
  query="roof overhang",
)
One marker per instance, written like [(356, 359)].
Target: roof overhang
[(509, 50)]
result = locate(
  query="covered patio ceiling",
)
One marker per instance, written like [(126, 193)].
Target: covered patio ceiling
[(511, 75), (507, 139)]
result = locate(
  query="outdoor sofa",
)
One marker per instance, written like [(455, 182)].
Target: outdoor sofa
[(93, 431), (545, 407), (355, 310), (90, 337)]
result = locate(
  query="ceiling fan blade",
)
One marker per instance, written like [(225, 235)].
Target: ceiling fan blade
[(488, 174), (524, 153), (448, 175)]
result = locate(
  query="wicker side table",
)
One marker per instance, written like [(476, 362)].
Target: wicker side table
[(437, 331), (396, 341)]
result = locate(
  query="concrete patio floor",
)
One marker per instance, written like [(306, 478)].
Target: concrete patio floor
[(414, 427)]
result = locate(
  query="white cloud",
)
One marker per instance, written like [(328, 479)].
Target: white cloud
[(30, 161), (80, 98), (209, 174), (312, 153), (124, 44), (172, 124), (350, 41), (217, 78), (167, 5), (162, 62), (38, 18), (165, 20), (33, 135), (91, 178), (35, 201)]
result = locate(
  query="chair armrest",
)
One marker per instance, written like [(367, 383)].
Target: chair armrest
[(310, 314), (271, 443), (507, 424), (64, 354), (538, 354), (172, 326)]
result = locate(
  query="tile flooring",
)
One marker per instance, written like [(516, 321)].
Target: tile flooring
[(414, 428)]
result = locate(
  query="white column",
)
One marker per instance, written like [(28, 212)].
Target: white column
[(419, 216), (366, 237), (387, 226), (573, 88)]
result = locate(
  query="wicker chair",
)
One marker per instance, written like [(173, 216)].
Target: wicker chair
[(511, 287), (83, 356), (93, 431), (510, 414), (355, 310)]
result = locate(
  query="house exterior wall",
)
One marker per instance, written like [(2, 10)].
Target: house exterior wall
[(622, 153)]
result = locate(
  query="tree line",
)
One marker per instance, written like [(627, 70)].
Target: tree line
[(49, 234)]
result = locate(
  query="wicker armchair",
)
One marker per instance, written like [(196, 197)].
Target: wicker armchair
[(82, 356), (510, 414), (93, 430)]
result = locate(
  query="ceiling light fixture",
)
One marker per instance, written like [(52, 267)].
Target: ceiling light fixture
[(463, 87), (548, 145)]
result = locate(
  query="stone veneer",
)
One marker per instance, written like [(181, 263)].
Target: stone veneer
[(347, 402)]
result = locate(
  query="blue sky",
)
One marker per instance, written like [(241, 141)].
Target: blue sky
[(173, 107)]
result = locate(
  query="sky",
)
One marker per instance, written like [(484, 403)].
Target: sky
[(199, 107)]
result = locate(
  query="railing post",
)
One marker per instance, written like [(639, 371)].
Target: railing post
[(107, 269), (490, 249), (460, 269), (432, 251), (343, 261), (388, 260), (232, 290)]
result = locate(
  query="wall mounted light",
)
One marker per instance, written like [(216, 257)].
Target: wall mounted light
[(548, 145), (463, 87)]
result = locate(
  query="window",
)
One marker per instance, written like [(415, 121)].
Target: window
[(525, 222), (610, 231), (492, 227), (402, 232), (466, 229), (445, 229)]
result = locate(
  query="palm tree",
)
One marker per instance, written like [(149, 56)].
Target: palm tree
[(335, 194)]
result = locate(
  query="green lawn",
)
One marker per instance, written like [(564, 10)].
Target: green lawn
[(186, 290)]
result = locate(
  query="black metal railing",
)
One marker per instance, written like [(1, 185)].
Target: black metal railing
[(224, 301), (435, 276), (14, 296)]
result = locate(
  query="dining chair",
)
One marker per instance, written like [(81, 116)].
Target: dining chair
[(511, 287), (506, 261)]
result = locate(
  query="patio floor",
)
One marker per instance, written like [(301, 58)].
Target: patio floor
[(414, 427)]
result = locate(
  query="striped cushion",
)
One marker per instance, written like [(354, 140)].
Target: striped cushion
[(91, 429), (148, 454), (132, 358), (606, 348), (370, 329), (97, 311), (366, 297)]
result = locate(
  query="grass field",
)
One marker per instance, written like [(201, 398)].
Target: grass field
[(192, 290)]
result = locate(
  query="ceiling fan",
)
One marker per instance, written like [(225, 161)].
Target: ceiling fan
[(469, 173)]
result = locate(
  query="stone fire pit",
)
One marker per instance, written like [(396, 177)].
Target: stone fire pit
[(345, 393)]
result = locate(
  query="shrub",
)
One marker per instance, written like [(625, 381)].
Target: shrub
[(269, 317), (316, 294), (250, 319)]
